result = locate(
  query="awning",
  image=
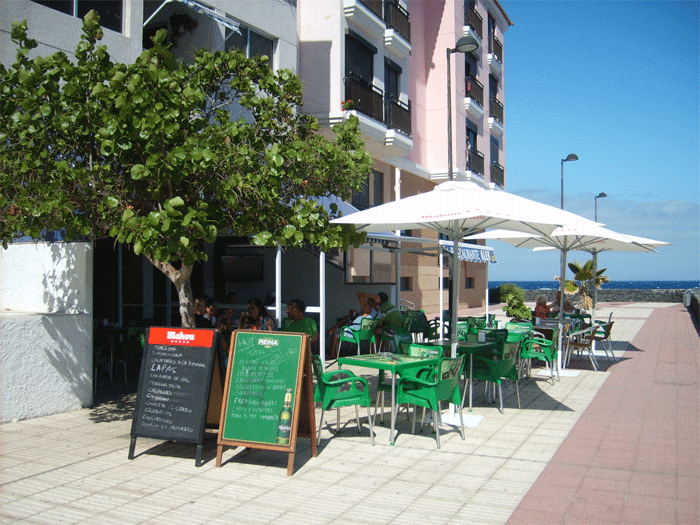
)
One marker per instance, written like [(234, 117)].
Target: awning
[(200, 8), (472, 252)]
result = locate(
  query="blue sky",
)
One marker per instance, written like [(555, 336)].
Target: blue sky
[(616, 83)]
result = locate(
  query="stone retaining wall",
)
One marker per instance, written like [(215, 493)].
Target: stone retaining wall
[(619, 296)]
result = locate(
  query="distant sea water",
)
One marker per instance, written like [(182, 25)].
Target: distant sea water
[(612, 285)]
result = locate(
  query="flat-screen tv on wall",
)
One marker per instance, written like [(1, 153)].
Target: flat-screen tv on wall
[(242, 268)]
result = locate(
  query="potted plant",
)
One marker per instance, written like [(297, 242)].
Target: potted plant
[(515, 308), (584, 281)]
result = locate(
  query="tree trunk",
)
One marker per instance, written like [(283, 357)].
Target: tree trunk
[(181, 279)]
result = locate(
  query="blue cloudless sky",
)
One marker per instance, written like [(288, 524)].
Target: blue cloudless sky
[(616, 83)]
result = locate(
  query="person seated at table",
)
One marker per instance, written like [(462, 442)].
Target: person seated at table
[(370, 308), (256, 317), (297, 321), (200, 311), (392, 319), (568, 307), (541, 307)]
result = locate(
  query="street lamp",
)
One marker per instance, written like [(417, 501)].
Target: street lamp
[(466, 44), (600, 196), (572, 156)]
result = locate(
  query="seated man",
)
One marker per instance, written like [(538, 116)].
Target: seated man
[(370, 308), (568, 307), (393, 322), (296, 320)]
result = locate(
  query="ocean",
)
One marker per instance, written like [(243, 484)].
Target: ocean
[(612, 285)]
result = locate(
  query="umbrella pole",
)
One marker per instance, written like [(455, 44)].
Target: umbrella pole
[(562, 280), (454, 282)]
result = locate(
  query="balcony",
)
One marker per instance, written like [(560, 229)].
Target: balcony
[(496, 110), (498, 174), (495, 56), (365, 98), (475, 162), (398, 116), (374, 5), (473, 20), (474, 100), (366, 14), (397, 19)]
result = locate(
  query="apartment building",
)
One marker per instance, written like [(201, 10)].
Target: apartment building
[(386, 62)]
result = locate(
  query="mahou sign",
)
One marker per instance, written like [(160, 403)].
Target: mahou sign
[(173, 391)]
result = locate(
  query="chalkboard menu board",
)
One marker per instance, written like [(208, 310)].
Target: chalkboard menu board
[(173, 391), (268, 385)]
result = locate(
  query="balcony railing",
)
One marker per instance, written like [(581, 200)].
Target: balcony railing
[(496, 48), (397, 19), (496, 110), (498, 174), (474, 89), (365, 98), (473, 20), (374, 5), (398, 115), (475, 162)]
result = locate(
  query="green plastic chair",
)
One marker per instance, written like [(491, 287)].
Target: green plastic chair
[(364, 333), (429, 387), (512, 326), (339, 388), (417, 324), (501, 365), (541, 349)]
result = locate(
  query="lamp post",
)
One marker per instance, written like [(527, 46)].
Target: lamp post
[(572, 156), (562, 257), (466, 44), (595, 254), (599, 196)]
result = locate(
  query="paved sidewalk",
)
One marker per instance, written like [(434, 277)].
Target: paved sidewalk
[(633, 457), (73, 468)]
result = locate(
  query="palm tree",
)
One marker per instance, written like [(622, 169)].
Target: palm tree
[(583, 282)]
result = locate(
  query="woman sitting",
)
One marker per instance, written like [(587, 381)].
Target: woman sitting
[(256, 317)]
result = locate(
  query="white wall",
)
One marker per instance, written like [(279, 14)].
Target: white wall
[(45, 329)]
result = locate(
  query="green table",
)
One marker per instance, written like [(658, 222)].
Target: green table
[(394, 363)]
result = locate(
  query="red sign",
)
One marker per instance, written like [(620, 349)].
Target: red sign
[(159, 335)]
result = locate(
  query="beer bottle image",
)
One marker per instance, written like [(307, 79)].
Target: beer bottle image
[(284, 427)]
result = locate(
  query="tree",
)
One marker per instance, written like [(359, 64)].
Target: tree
[(583, 282), (149, 154)]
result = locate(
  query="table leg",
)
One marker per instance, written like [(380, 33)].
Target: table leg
[(393, 408), (471, 379)]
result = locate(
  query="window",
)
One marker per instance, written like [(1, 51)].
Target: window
[(472, 134), (468, 282), (110, 10), (359, 58), (493, 87), (378, 187), (360, 198), (406, 284), (251, 43), (392, 74), (495, 146)]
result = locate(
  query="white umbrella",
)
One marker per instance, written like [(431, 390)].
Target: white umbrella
[(456, 209), (588, 237)]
